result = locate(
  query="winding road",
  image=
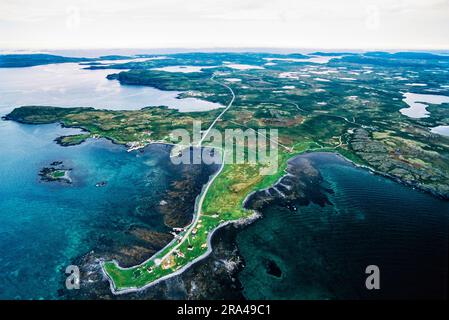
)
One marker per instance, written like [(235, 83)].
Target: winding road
[(206, 189), (222, 113)]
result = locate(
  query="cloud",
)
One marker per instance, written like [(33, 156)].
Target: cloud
[(293, 23)]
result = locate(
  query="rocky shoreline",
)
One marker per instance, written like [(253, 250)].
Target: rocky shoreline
[(215, 276), (176, 207), (390, 164), (210, 278)]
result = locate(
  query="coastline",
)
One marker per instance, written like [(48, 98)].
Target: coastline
[(239, 222), (244, 220), (393, 178), (197, 209)]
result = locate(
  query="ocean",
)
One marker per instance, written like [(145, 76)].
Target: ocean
[(318, 246)]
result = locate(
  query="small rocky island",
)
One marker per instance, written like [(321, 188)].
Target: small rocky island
[(56, 172)]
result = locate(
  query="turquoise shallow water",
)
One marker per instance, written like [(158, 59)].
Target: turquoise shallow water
[(322, 252), (43, 226)]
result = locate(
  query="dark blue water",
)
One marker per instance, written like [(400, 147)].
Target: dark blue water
[(321, 252), (44, 226)]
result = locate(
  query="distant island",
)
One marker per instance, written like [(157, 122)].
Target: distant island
[(34, 59), (29, 60)]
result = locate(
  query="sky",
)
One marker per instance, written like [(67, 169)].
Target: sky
[(326, 24)]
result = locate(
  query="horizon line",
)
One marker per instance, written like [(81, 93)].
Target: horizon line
[(234, 48)]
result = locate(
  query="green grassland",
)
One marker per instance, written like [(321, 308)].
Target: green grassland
[(313, 107), (122, 127), (58, 174)]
